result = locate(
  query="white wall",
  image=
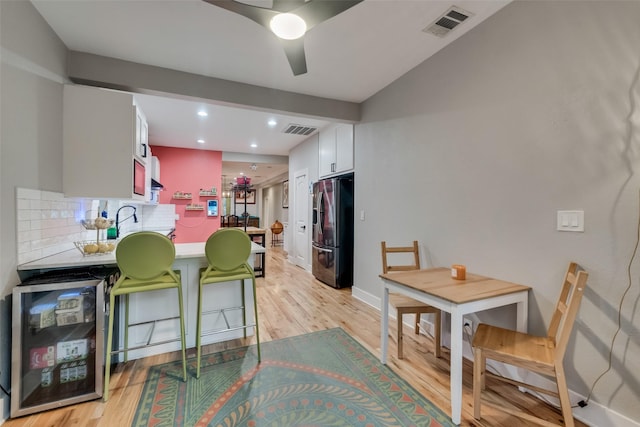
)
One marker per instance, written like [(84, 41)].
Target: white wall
[(31, 77), (534, 111), (303, 156)]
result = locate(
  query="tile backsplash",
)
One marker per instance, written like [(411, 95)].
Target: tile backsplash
[(49, 223)]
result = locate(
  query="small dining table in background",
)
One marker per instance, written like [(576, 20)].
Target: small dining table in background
[(436, 287), (259, 236)]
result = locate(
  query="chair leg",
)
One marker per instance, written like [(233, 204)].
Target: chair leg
[(400, 338), (244, 307), (437, 325), (478, 381), (107, 364), (563, 393), (199, 331), (255, 314), (417, 325), (126, 327), (182, 334)]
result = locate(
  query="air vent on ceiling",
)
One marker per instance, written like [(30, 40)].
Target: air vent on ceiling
[(447, 22), (294, 129)]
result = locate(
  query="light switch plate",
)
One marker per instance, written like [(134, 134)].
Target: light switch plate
[(570, 221)]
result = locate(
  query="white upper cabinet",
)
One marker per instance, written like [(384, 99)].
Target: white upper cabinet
[(344, 148), (155, 168), (327, 154), (102, 136), (336, 150), (141, 142)]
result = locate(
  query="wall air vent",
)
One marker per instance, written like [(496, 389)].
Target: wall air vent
[(294, 129), (447, 22)]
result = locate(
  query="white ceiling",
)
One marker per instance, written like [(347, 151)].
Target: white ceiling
[(350, 57), (175, 123)]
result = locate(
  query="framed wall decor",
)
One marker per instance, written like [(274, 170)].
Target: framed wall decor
[(250, 195), (285, 194)]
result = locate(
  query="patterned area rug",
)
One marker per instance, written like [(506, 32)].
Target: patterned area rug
[(319, 379)]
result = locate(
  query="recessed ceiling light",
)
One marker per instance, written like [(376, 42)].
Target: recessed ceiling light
[(203, 113), (288, 26), (272, 122), (254, 145), (200, 141)]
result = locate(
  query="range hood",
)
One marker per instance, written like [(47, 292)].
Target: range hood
[(155, 185)]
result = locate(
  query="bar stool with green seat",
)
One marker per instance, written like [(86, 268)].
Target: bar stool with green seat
[(144, 259), (227, 251)]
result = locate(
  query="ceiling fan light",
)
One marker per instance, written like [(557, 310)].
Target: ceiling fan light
[(288, 26)]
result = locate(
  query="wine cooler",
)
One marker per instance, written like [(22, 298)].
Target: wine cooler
[(57, 344)]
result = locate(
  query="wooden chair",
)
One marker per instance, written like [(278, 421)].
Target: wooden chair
[(232, 221), (537, 354), (405, 305)]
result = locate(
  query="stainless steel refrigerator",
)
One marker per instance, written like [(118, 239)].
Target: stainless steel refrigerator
[(332, 242)]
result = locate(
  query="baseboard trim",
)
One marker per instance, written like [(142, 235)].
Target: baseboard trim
[(594, 414), (4, 409)]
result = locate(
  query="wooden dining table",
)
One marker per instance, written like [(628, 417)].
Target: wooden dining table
[(437, 287)]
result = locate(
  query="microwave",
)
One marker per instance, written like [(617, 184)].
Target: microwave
[(138, 178)]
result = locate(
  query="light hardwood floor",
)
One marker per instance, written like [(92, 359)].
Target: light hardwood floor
[(291, 302)]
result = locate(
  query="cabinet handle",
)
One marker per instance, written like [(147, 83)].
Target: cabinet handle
[(333, 167)]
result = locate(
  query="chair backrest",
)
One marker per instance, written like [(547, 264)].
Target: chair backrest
[(567, 308), (386, 267), (145, 255), (232, 221), (227, 249)]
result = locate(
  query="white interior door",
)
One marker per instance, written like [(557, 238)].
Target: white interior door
[(301, 244), (267, 210)]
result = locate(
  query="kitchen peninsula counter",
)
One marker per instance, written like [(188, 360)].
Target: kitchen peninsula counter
[(145, 306), (73, 258)]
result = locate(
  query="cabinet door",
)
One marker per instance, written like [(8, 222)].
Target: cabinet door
[(99, 131), (142, 136), (344, 148), (327, 153)]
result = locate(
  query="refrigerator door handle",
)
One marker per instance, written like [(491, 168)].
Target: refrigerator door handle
[(321, 210), (321, 249)]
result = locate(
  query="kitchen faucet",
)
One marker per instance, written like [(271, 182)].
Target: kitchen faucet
[(135, 218)]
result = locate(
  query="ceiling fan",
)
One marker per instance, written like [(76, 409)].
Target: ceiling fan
[(289, 20)]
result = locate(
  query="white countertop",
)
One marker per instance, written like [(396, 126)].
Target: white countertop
[(73, 257)]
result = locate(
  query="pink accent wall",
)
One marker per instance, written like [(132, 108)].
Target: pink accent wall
[(188, 171)]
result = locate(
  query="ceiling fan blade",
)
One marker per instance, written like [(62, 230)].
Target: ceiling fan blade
[(258, 14), (284, 6), (316, 11), (294, 49)]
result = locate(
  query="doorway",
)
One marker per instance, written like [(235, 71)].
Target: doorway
[(301, 235)]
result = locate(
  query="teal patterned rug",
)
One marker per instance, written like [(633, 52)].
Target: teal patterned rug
[(319, 379)]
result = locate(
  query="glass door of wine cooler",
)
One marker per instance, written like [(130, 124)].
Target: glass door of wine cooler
[(58, 345)]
